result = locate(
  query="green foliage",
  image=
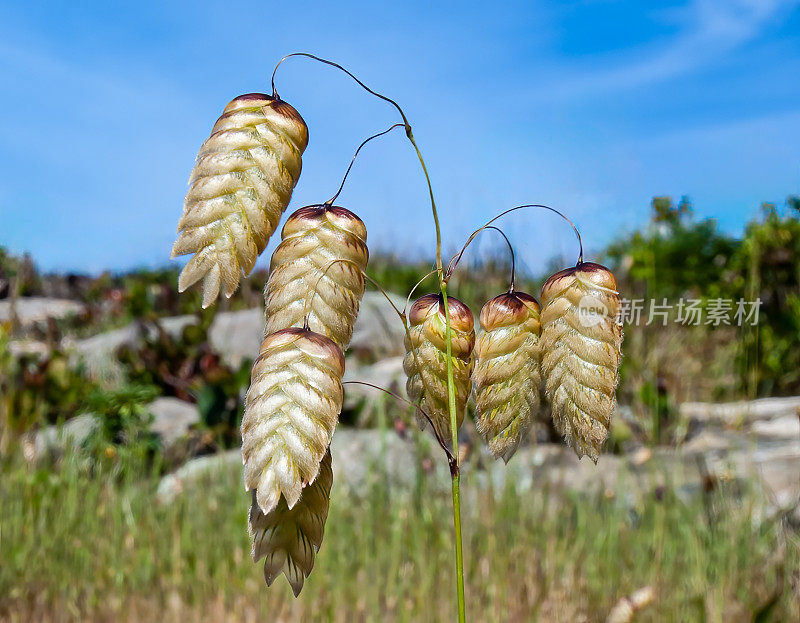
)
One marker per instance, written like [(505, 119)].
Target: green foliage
[(122, 442), (38, 389), (123, 412), (187, 368), (769, 263), (18, 276), (675, 256)]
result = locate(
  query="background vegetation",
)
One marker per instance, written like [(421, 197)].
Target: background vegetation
[(85, 537)]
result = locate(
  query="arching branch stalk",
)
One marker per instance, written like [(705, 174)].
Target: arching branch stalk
[(454, 261), (450, 458), (443, 288)]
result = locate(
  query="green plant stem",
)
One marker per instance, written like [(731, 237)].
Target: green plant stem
[(451, 394), (454, 468), (455, 472), (439, 266)]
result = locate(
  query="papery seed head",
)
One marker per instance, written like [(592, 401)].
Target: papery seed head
[(291, 411), (581, 352), (588, 272), (507, 377), (241, 183), (425, 360), (506, 309), (284, 110), (314, 215), (288, 539), (315, 344), (317, 273), (430, 304)]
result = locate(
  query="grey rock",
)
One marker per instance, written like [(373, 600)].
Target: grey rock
[(364, 458), (236, 336), (54, 441), (386, 373), (711, 440), (98, 352), (29, 348), (172, 419), (32, 310), (766, 456), (783, 427), (742, 412), (378, 330), (195, 470)]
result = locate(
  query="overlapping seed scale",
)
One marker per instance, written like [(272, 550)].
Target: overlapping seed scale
[(581, 356), (506, 376), (433, 377), (289, 538), (292, 408), (425, 362), (317, 271), (462, 342), (240, 185)]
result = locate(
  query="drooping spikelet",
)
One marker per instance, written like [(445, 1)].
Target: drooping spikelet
[(581, 351), (239, 187), (305, 276), (289, 538), (507, 378), (427, 371), (292, 409)]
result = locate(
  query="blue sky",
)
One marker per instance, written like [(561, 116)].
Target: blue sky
[(591, 106)]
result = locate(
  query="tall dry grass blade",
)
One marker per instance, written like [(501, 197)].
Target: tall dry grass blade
[(292, 409), (318, 271), (507, 377), (239, 187), (425, 362), (581, 352), (289, 538)]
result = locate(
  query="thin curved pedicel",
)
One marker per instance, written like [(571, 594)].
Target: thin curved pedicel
[(240, 186), (581, 352), (507, 377)]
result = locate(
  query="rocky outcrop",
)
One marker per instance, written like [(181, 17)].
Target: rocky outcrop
[(766, 454), (386, 373), (171, 420), (740, 413), (29, 311), (378, 332), (98, 353), (236, 336)]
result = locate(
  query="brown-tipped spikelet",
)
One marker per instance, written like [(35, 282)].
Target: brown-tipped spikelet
[(581, 342), (507, 378), (239, 187), (318, 270), (425, 362), (289, 538), (292, 408)]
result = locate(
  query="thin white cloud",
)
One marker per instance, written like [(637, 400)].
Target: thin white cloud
[(709, 30)]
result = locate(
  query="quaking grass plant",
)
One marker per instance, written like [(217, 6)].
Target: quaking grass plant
[(240, 186)]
